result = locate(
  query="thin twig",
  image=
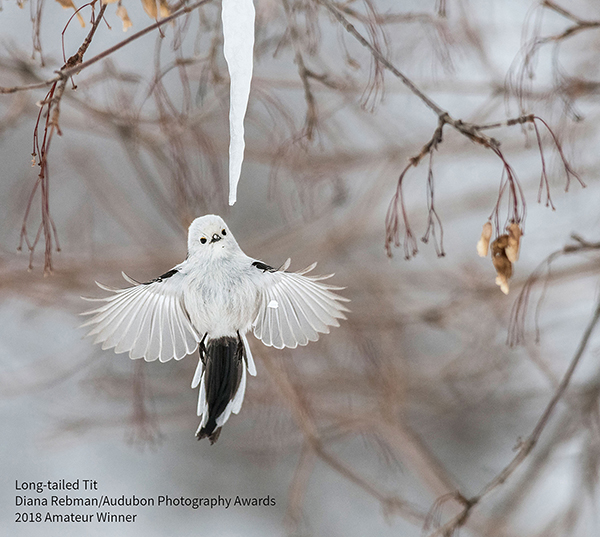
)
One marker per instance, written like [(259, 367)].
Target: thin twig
[(310, 122), (578, 26), (516, 328), (51, 107), (466, 129), (509, 182), (381, 58), (526, 446), (69, 71), (292, 396), (519, 81)]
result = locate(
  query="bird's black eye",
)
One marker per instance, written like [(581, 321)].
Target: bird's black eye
[(224, 232), (203, 240)]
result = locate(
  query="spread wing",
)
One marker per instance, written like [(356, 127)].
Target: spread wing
[(295, 308), (148, 320)]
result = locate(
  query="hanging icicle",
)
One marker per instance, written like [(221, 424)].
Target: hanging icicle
[(238, 47)]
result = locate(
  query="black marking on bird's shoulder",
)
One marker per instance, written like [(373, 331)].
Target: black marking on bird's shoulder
[(164, 276), (263, 266)]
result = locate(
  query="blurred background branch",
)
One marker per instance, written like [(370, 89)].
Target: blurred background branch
[(402, 419)]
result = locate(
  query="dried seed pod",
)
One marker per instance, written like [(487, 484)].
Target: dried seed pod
[(503, 283), (501, 262), (66, 4), (123, 15), (150, 8), (484, 242), (502, 265), (163, 7), (514, 242), (499, 245)]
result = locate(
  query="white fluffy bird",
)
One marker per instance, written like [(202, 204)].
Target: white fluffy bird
[(211, 300)]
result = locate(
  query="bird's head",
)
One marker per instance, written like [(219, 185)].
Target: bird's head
[(210, 236)]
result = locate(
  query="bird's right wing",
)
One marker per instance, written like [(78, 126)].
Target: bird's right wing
[(148, 320), (295, 308)]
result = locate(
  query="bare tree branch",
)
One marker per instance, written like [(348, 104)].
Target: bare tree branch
[(69, 70), (528, 444)]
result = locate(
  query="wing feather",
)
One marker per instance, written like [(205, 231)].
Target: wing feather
[(295, 308), (306, 315), (107, 312), (113, 327), (148, 320), (323, 306), (131, 332), (249, 359)]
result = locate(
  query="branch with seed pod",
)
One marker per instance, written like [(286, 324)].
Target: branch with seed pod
[(42, 138), (47, 123), (397, 222), (397, 217)]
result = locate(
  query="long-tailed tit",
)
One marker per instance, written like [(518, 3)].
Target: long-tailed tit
[(210, 301)]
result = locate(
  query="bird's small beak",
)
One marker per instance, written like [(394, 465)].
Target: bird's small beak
[(215, 238)]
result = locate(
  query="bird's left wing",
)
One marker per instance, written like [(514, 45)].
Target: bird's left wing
[(148, 320), (295, 308)]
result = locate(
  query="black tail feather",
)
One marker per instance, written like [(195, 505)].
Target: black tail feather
[(223, 361)]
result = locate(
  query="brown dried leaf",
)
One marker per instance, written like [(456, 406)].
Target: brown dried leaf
[(150, 8), (484, 242), (68, 4), (122, 14), (514, 242)]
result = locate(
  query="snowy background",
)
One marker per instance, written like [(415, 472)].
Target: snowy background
[(417, 393)]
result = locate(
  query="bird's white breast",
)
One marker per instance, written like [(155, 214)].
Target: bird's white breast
[(220, 295)]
